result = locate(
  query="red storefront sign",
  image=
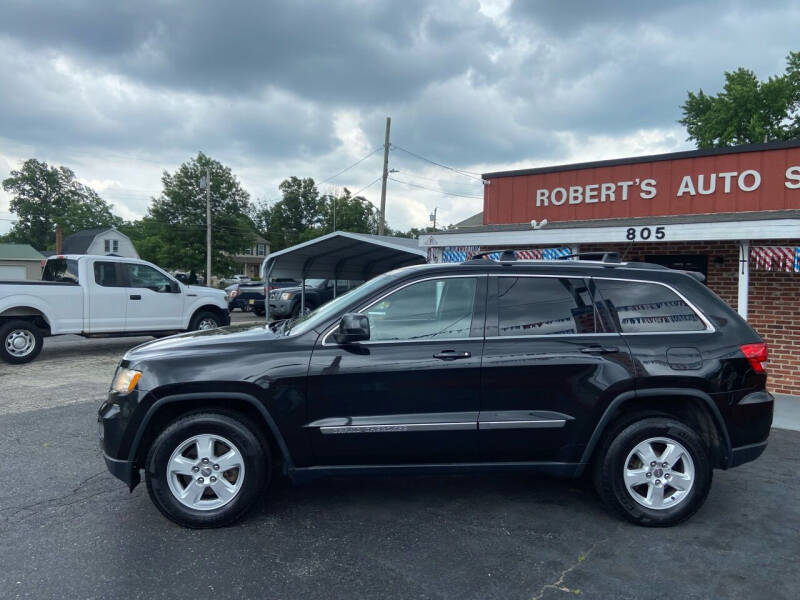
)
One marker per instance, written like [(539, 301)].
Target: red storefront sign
[(690, 183)]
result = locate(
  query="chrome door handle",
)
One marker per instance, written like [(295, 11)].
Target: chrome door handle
[(451, 355)]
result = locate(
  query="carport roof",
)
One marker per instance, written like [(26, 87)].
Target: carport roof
[(344, 255)]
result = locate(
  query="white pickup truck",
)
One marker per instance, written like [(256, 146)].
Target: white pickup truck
[(101, 296)]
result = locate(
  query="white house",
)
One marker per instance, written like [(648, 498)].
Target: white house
[(100, 241)]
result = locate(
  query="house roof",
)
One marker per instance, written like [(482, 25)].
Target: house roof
[(19, 252), (79, 242), (473, 221)]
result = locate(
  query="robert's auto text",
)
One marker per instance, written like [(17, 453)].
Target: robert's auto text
[(691, 185)]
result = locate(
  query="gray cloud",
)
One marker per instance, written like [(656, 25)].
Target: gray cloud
[(264, 86)]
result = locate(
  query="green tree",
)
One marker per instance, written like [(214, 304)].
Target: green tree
[(350, 213), (45, 197), (296, 217), (746, 110), (174, 230)]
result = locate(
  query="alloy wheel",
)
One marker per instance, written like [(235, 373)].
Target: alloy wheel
[(205, 472), (659, 473)]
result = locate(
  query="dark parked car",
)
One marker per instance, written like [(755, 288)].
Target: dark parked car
[(245, 296), (634, 373), (287, 302), (250, 296)]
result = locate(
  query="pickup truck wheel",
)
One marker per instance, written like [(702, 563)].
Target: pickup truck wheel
[(207, 469), (654, 472), (204, 320), (21, 341)]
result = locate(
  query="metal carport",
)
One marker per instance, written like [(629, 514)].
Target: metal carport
[(342, 255)]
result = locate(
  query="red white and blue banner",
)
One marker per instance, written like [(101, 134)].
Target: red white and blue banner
[(456, 254), (775, 258)]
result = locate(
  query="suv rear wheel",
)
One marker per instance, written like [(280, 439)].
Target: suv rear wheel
[(654, 471), (207, 469)]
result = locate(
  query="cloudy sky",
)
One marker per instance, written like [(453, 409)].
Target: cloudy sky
[(120, 91)]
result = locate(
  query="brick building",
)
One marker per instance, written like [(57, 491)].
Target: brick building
[(731, 213)]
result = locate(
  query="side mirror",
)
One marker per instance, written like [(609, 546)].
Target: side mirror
[(353, 327), (175, 287)]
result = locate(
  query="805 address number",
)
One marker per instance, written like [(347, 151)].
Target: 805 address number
[(645, 233)]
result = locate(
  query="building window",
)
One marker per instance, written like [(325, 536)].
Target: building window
[(262, 249), (111, 246)]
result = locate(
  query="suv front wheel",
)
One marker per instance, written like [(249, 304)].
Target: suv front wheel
[(654, 471), (207, 469)]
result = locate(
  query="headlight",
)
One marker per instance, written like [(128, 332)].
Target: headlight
[(125, 380), (286, 295)]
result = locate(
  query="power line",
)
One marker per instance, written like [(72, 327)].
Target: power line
[(374, 181), (358, 162), (469, 174), (422, 187), (433, 179)]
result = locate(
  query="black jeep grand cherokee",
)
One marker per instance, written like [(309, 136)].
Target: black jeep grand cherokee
[(634, 373)]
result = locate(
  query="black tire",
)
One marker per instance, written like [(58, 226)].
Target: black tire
[(22, 330), (610, 466), (296, 309), (260, 312), (231, 426), (204, 316)]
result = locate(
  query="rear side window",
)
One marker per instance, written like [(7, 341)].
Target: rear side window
[(544, 306), (640, 307), (61, 269), (105, 274)]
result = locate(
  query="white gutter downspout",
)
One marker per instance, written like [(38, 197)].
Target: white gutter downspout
[(744, 276)]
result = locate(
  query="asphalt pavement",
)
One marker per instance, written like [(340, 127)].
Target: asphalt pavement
[(70, 530)]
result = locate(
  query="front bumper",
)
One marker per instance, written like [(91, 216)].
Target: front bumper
[(114, 427), (280, 308), (123, 470)]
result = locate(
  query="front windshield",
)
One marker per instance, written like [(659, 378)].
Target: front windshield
[(323, 313)]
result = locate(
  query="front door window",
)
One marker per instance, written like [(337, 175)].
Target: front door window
[(427, 310)]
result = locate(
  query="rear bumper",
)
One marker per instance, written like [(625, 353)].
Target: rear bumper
[(744, 454)]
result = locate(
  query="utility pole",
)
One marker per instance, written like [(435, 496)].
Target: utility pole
[(208, 226), (433, 217), (382, 222)]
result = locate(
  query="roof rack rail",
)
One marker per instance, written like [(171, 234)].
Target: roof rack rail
[(505, 255), (606, 257)]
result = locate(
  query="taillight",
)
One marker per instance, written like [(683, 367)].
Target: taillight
[(756, 355), (234, 293)]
